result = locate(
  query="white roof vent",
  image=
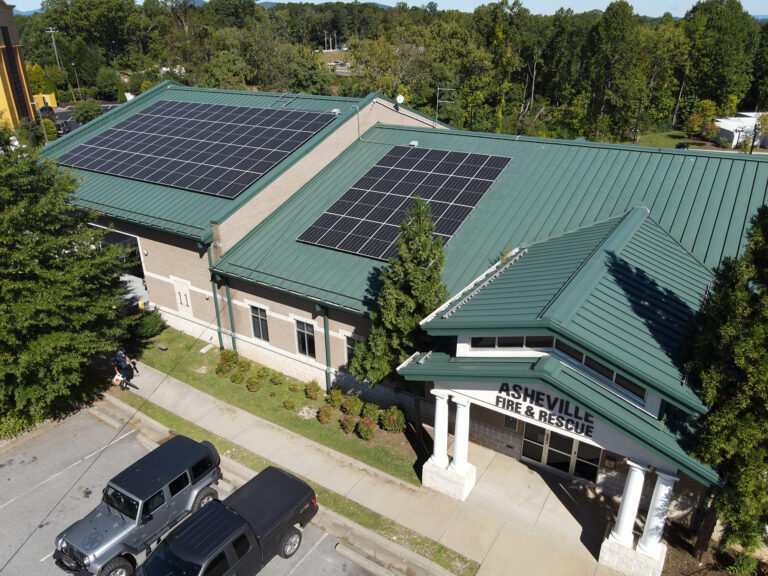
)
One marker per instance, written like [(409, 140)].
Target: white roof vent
[(336, 111), (413, 143)]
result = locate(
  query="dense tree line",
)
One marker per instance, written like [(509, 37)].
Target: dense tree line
[(598, 75)]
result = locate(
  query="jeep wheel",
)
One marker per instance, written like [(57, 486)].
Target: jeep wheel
[(118, 567), (290, 543), (203, 497)]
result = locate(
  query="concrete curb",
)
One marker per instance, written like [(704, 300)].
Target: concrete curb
[(361, 544)]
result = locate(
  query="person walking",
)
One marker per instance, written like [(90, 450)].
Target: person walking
[(123, 367)]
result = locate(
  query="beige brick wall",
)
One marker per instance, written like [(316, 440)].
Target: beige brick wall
[(282, 188)]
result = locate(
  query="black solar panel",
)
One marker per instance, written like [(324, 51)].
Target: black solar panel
[(366, 219), (210, 148)]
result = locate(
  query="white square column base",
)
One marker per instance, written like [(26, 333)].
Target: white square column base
[(629, 561), (447, 481)]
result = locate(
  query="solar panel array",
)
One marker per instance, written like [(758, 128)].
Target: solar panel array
[(210, 148), (366, 219)]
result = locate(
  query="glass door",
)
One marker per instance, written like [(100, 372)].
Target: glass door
[(564, 454)]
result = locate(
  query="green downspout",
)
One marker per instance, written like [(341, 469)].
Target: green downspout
[(324, 310), (215, 298), (231, 316)]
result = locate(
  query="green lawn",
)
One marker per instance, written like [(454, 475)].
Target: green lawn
[(390, 453), (445, 557), (665, 139)]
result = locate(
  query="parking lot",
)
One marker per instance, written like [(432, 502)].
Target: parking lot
[(55, 476)]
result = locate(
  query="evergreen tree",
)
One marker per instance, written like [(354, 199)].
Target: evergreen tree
[(729, 357), (411, 289), (60, 303)]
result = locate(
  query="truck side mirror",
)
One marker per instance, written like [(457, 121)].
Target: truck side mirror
[(146, 518)]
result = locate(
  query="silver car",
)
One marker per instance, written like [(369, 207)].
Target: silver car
[(138, 506)]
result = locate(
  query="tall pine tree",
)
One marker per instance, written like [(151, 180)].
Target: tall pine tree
[(60, 300), (411, 289), (730, 360)]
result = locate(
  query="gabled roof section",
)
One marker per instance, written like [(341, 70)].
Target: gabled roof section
[(703, 201), (621, 290), (182, 212), (668, 440)]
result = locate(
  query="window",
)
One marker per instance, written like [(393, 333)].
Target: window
[(178, 484), (569, 351), (201, 468), (305, 335), (484, 342), (630, 386), (259, 323), (218, 566), (510, 423), (154, 503), (601, 369), (539, 341), (241, 545), (510, 341), (350, 346)]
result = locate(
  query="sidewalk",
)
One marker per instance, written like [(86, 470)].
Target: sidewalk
[(515, 521)]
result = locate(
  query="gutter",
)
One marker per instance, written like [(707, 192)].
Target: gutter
[(215, 298)]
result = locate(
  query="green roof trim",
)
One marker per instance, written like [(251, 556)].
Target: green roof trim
[(657, 437), (620, 291), (182, 212)]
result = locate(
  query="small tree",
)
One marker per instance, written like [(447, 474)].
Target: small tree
[(106, 82), (86, 110), (729, 357), (411, 289), (60, 305)]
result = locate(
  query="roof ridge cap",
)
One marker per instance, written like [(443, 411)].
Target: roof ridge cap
[(585, 276)]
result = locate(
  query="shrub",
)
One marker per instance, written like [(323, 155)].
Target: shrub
[(371, 412), (393, 420), (335, 398), (723, 143), (272, 393), (243, 365), (325, 413), (228, 357), (50, 129), (262, 373), (253, 383), (352, 406), (293, 386), (289, 404), (312, 390), (85, 111), (347, 424), (276, 378), (237, 377), (148, 325), (222, 369), (365, 429), (743, 564)]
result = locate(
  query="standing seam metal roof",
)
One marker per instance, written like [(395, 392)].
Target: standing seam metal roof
[(702, 200), (182, 212)]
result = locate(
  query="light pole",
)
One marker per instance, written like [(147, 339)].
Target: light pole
[(53, 31), (78, 81)]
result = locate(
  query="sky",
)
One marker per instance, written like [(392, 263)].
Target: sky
[(644, 7)]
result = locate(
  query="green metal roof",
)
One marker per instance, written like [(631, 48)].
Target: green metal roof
[(702, 200), (667, 440), (621, 290), (182, 212)]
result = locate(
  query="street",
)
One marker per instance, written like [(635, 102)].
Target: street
[(55, 476)]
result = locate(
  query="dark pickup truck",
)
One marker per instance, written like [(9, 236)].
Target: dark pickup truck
[(242, 533)]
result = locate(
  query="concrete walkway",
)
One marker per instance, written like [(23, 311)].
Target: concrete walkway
[(515, 521)]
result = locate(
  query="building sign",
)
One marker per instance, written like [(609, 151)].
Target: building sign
[(545, 408)]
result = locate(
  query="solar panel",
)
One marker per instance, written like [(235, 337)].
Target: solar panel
[(210, 148), (366, 219)]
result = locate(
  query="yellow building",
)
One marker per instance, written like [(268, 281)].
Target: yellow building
[(14, 89)]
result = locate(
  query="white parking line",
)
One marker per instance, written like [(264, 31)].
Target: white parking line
[(60, 472), (110, 444), (299, 563), (44, 558)]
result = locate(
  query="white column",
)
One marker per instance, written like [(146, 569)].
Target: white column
[(460, 437), (440, 449), (650, 541), (630, 501)]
